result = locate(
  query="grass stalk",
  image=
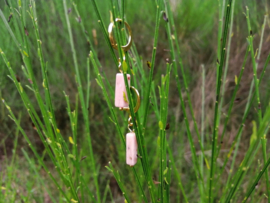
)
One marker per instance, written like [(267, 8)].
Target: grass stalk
[(164, 92), (222, 8), (219, 75), (227, 61), (123, 9), (202, 124)]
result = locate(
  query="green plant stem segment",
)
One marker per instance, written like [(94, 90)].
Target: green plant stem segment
[(221, 63), (250, 39), (221, 5), (164, 92), (227, 61), (202, 125)]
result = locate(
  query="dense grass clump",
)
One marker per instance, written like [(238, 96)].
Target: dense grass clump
[(200, 68)]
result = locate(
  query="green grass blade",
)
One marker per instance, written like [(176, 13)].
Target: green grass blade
[(219, 75)]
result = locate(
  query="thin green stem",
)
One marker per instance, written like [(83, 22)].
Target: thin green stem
[(202, 125), (227, 62), (164, 92), (219, 75)]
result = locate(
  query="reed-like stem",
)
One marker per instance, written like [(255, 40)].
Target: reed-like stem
[(224, 80), (219, 75), (202, 126)]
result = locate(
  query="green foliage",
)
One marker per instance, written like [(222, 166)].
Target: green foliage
[(59, 56)]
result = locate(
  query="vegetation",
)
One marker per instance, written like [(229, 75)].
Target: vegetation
[(200, 68)]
